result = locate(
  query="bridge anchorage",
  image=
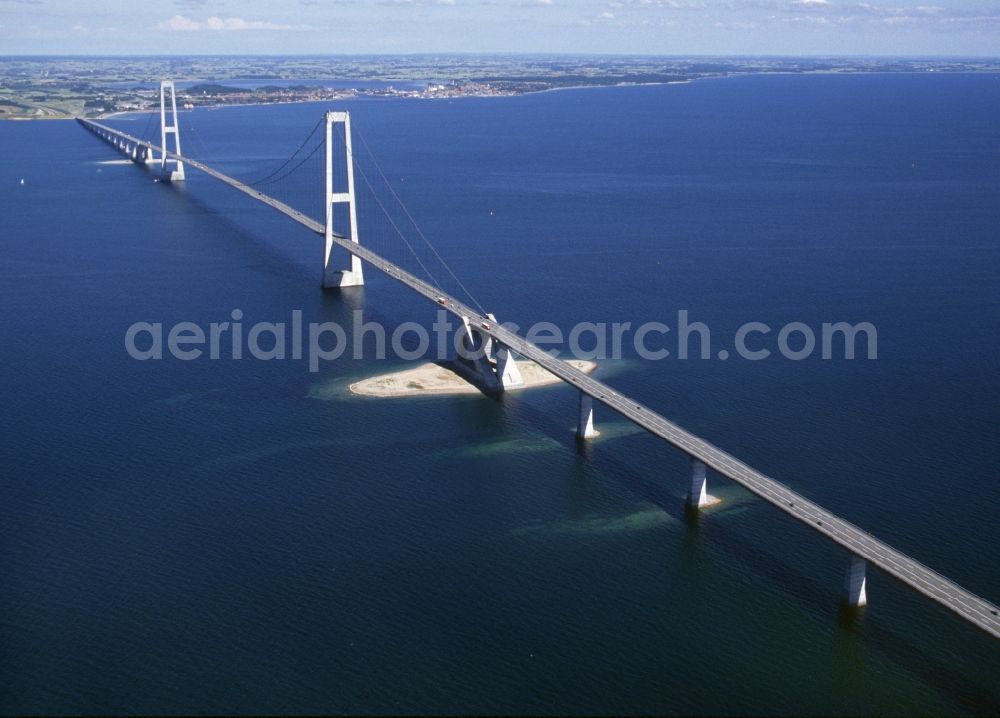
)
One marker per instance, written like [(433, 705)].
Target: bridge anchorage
[(487, 351), (491, 363)]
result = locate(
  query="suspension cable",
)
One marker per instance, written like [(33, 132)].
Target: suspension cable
[(289, 172), (145, 131), (393, 223), (291, 157), (415, 225)]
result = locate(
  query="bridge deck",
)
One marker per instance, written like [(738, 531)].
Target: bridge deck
[(967, 605)]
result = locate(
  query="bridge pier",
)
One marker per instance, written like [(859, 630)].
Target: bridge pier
[(698, 496), (338, 278), (855, 583), (474, 352), (585, 425), (508, 374)]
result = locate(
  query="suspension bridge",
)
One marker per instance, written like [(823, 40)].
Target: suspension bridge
[(488, 348)]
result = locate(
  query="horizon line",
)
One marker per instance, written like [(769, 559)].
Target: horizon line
[(825, 56)]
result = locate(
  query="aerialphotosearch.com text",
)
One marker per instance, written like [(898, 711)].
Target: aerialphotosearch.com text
[(318, 342)]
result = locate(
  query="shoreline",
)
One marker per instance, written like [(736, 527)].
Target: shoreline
[(120, 113), (434, 379), (388, 98), (688, 81)]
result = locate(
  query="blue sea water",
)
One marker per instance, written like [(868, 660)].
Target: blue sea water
[(245, 536)]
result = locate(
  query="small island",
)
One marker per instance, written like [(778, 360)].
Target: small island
[(434, 379)]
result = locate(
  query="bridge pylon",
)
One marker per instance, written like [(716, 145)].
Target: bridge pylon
[(172, 129), (353, 277)]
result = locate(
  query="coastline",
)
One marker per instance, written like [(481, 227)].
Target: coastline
[(688, 81), (154, 110), (471, 96)]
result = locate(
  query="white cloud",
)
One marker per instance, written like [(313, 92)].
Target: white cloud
[(811, 3), (180, 23)]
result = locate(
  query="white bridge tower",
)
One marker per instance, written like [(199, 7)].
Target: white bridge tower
[(178, 172), (353, 277)]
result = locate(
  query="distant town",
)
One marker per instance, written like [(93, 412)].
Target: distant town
[(38, 87)]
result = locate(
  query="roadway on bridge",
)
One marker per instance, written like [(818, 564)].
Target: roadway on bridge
[(967, 605)]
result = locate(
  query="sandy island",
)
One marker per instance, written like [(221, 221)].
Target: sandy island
[(432, 379)]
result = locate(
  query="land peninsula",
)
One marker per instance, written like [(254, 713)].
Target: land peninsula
[(53, 87)]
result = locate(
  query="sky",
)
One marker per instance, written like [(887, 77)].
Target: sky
[(655, 27)]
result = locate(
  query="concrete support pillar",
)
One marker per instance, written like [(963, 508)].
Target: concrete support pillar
[(855, 583), (585, 425), (473, 354), (698, 496), (485, 341), (508, 374)]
